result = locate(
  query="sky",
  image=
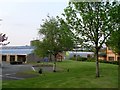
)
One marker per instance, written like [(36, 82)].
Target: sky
[(21, 19)]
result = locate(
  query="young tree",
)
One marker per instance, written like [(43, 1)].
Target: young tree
[(93, 23), (57, 37)]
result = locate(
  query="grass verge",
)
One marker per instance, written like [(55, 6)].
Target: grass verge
[(80, 75)]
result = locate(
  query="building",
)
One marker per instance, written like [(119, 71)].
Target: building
[(111, 56), (15, 53), (79, 53), (102, 56), (23, 54), (108, 55)]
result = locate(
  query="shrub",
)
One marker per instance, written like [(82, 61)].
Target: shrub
[(110, 62), (91, 59), (79, 58), (73, 58)]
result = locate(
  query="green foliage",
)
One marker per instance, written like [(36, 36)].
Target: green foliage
[(91, 59), (110, 62), (41, 48), (79, 58), (57, 37), (93, 22), (114, 42)]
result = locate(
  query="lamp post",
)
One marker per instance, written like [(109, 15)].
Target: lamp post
[(50, 53)]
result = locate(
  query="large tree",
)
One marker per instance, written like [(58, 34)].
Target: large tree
[(57, 37), (93, 22), (114, 42)]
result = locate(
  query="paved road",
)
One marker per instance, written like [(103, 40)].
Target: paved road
[(9, 71)]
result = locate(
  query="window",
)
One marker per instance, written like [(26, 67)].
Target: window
[(111, 58), (118, 58)]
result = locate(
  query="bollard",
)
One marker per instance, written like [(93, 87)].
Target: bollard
[(68, 70), (40, 71)]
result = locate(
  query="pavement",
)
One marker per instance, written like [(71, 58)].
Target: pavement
[(9, 72)]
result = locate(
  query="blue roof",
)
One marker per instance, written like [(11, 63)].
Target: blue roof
[(16, 50)]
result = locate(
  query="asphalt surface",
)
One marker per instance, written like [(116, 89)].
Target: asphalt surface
[(9, 72)]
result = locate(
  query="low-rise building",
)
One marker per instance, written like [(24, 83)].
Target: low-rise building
[(111, 56), (108, 55), (15, 53)]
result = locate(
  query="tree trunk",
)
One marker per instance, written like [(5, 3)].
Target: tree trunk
[(97, 63)]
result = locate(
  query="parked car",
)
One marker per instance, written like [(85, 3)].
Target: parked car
[(16, 62)]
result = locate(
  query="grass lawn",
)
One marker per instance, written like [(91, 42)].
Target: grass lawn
[(80, 75)]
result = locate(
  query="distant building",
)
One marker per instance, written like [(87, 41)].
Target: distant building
[(108, 55), (79, 53), (16, 53), (111, 56), (102, 56)]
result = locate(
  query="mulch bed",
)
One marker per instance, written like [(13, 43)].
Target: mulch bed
[(43, 65)]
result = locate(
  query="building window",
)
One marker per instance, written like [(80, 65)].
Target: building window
[(118, 58), (111, 58), (12, 58), (4, 58)]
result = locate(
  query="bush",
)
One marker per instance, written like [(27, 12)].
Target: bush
[(79, 58), (91, 59), (73, 58), (110, 62)]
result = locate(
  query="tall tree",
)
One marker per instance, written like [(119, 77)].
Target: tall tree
[(114, 42), (57, 37), (93, 23)]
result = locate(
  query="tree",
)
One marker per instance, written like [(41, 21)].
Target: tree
[(114, 42), (3, 38), (93, 22), (57, 38)]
